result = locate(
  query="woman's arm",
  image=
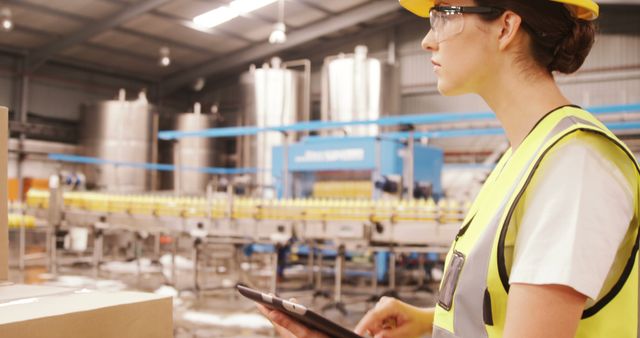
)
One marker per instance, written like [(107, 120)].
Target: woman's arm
[(390, 318), (550, 311)]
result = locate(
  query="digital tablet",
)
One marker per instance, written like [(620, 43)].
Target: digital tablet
[(298, 312)]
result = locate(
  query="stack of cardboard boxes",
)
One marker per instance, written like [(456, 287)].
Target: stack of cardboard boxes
[(53, 312)]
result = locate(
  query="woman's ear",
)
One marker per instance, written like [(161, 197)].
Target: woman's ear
[(509, 25)]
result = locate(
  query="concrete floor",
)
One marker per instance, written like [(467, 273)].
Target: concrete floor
[(219, 313)]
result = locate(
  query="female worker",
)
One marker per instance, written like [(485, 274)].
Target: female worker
[(549, 246)]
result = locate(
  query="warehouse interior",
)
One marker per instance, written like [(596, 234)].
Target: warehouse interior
[(299, 147)]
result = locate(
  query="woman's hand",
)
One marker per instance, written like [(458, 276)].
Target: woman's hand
[(391, 318), (287, 327)]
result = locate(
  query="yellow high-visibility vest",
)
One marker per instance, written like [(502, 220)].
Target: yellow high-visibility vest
[(474, 290)]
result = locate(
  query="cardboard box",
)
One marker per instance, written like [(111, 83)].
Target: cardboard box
[(30, 311)]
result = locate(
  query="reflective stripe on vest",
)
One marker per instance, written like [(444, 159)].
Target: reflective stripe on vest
[(467, 316)]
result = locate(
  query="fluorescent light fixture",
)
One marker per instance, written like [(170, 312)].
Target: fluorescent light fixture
[(246, 6), (223, 14), (215, 17)]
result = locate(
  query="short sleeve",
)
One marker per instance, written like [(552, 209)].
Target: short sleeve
[(574, 217)]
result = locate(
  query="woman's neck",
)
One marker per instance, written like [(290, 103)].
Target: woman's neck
[(519, 102)]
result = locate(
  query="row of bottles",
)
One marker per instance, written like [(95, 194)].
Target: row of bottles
[(18, 220), (260, 209), (346, 189)]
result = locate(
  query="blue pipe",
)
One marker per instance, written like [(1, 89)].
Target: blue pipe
[(385, 121), (149, 166)]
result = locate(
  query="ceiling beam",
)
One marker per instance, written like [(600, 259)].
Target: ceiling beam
[(84, 65), (8, 49), (369, 11), (313, 5), (103, 69), (163, 41), (108, 49), (39, 56), (48, 10), (316, 52), (35, 31)]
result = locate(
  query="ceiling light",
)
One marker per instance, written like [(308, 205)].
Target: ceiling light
[(246, 6), (215, 17), (7, 23), (279, 34), (223, 14), (165, 59), (279, 30)]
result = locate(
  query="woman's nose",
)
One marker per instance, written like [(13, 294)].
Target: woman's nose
[(429, 42)]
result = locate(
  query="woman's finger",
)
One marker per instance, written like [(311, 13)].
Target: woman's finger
[(263, 309), (287, 327), (401, 332), (294, 327), (282, 332), (374, 320)]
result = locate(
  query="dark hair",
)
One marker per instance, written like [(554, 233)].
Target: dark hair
[(559, 42)]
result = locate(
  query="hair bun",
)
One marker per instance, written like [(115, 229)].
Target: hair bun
[(574, 48)]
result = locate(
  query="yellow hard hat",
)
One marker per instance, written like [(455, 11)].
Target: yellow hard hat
[(582, 9)]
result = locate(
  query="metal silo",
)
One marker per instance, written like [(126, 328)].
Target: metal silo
[(193, 152), (273, 95), (357, 87), (120, 131)]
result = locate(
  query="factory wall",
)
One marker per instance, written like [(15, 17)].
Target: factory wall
[(58, 91), (610, 75), (6, 90), (6, 80)]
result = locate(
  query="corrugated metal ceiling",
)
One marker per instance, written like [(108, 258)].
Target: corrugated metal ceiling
[(133, 45)]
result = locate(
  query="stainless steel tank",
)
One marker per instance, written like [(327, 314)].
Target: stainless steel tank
[(357, 87), (271, 96), (193, 152), (121, 131)]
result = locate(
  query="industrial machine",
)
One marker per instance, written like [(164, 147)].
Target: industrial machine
[(273, 95), (123, 131), (192, 153), (373, 158), (358, 87)]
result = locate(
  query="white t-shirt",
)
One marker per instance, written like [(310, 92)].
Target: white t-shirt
[(573, 218)]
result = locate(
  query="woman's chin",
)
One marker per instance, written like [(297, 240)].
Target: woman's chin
[(446, 89)]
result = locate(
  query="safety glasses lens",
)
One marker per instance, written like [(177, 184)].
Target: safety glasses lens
[(446, 24)]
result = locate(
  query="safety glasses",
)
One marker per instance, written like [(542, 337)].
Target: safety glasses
[(448, 21)]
